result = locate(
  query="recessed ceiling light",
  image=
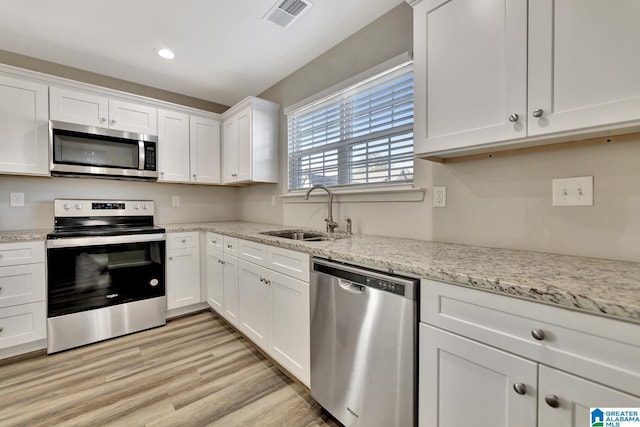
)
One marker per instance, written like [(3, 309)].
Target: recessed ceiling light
[(165, 53)]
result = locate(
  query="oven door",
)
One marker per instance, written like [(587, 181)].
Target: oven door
[(88, 273)]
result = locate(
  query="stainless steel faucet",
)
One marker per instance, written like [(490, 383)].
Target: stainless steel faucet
[(331, 224)]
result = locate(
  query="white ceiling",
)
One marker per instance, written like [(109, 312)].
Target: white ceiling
[(224, 50)]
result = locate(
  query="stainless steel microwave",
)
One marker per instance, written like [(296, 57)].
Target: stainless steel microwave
[(78, 150)]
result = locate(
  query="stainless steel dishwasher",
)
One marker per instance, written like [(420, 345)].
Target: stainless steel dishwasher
[(363, 344)]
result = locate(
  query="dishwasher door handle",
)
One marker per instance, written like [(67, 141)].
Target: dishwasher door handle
[(351, 287)]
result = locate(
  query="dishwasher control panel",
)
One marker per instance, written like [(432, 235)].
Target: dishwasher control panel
[(385, 285)]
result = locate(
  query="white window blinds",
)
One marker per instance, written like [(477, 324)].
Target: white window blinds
[(362, 135)]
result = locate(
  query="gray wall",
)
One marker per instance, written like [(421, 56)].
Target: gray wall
[(71, 73), (504, 202), (197, 202)]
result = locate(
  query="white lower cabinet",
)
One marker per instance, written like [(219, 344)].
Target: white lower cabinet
[(23, 306), (463, 382), (254, 307), (264, 292), (575, 396), (183, 269), (484, 357)]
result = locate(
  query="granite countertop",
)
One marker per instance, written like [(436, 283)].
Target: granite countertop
[(598, 286)]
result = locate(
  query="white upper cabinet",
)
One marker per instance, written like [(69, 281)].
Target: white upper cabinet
[(204, 142), (173, 146), (470, 66), (250, 142), (24, 136), (582, 69), (504, 72), (93, 109), (188, 148)]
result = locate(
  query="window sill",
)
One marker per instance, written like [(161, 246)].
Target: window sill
[(395, 193)]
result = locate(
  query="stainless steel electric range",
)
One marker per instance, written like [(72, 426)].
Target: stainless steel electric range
[(106, 271)]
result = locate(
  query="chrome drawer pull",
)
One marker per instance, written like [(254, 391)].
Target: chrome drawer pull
[(538, 334), (520, 388)]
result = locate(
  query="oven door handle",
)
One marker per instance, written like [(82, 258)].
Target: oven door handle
[(75, 242)]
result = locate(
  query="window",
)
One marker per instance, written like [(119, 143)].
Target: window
[(360, 136)]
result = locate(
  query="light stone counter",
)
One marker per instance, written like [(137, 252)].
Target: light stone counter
[(598, 286), (23, 235)]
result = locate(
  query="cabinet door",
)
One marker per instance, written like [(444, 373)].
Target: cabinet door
[(253, 303), (215, 280), (21, 284), (575, 396), (173, 146), (230, 150), (245, 145), (78, 107), (465, 383), (183, 277), (470, 72), (581, 70), (21, 324), (230, 291), (205, 150), (289, 325), (24, 136), (132, 117)]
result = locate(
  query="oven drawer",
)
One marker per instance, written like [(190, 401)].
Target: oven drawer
[(21, 284), (22, 324), (21, 253), (215, 241), (183, 240)]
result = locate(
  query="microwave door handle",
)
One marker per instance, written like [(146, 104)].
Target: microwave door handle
[(141, 154)]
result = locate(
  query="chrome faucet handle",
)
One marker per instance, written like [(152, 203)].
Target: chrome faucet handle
[(331, 225), (349, 226)]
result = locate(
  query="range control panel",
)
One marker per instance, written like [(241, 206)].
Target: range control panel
[(88, 208)]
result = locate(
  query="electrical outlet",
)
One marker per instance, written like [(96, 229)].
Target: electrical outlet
[(439, 197), (17, 199), (175, 201), (573, 191)]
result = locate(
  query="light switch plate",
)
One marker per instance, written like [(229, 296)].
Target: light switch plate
[(175, 201), (17, 199), (576, 191)]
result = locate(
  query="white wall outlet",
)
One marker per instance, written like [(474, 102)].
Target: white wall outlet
[(573, 191), (17, 199), (439, 197), (175, 201)]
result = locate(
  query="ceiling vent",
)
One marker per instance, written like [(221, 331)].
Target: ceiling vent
[(284, 12)]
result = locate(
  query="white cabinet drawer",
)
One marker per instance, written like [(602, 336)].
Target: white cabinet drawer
[(21, 253), (22, 324), (602, 349), (253, 252), (183, 240), (291, 263), (21, 284), (231, 246), (215, 241)]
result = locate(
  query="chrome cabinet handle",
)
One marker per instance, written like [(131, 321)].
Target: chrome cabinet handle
[(538, 112), (262, 279), (229, 246), (102, 120), (170, 258), (520, 388), (1, 329), (161, 173), (514, 118), (552, 400), (184, 240), (113, 122), (538, 334)]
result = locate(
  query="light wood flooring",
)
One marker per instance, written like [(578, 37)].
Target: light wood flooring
[(195, 371)]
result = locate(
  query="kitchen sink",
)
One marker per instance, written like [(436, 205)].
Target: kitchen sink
[(304, 235)]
